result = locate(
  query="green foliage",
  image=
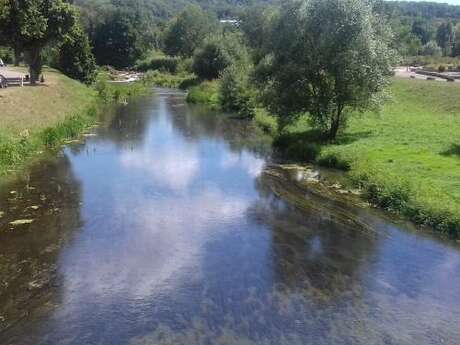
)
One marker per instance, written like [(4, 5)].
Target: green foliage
[(163, 64), (423, 30), (187, 31), (181, 80), (217, 53), (118, 41), (33, 24), (445, 37), (256, 23), (6, 54), (71, 128), (75, 57), (330, 58), (265, 121), (205, 93), (15, 149), (211, 59), (406, 159), (236, 93), (431, 49), (334, 161), (110, 92)]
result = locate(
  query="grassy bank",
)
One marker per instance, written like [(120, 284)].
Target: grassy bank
[(45, 116), (406, 159)]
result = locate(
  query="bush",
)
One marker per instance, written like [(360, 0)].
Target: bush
[(180, 80), (431, 49), (303, 152), (75, 57), (235, 92), (334, 162), (163, 64), (441, 68), (217, 53), (301, 147), (205, 93), (265, 121), (210, 60)]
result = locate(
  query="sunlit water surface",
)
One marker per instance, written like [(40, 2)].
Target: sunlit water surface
[(162, 229)]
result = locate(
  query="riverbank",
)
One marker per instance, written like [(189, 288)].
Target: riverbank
[(405, 159), (43, 117)]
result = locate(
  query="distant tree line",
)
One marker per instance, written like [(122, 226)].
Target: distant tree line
[(76, 35)]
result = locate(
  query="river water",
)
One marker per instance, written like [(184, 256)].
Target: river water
[(165, 228)]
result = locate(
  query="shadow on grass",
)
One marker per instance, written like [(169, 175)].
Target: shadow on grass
[(453, 150), (348, 138), (314, 136)]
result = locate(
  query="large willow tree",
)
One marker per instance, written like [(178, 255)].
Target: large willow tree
[(329, 58)]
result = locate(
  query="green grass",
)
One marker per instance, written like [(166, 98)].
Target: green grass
[(33, 108), (44, 117), (205, 93), (406, 159)]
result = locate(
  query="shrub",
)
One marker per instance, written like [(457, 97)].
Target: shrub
[(235, 92), (441, 68), (164, 64), (301, 147), (210, 60), (431, 49), (181, 80), (75, 57), (205, 93), (303, 152), (333, 161), (265, 121)]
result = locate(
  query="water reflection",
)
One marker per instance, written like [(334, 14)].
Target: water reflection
[(178, 236), (50, 196)]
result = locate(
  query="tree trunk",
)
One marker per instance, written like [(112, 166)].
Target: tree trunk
[(335, 125), (35, 64), (17, 55)]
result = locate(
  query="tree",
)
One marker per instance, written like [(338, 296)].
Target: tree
[(423, 30), (445, 37), (10, 28), (75, 57), (256, 24), (431, 49), (456, 50), (36, 23), (118, 41), (187, 31), (405, 41), (235, 91), (217, 53), (330, 58)]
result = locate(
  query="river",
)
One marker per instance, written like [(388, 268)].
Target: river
[(166, 227)]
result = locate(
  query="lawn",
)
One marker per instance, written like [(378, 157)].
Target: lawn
[(413, 148), (37, 107), (34, 117)]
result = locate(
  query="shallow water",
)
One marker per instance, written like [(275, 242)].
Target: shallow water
[(165, 228)]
